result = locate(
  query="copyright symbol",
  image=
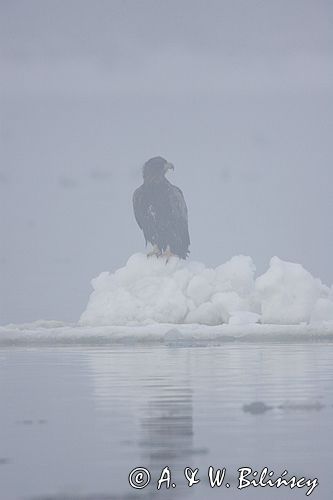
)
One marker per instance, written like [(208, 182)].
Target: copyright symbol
[(139, 478)]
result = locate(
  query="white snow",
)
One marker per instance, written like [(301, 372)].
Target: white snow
[(323, 310), (289, 294), (154, 291), (244, 318), (151, 300)]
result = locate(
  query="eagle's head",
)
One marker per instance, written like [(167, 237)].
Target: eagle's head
[(156, 168)]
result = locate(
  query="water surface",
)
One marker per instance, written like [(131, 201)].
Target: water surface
[(75, 421)]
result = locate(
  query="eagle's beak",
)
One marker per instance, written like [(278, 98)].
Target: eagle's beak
[(168, 166)]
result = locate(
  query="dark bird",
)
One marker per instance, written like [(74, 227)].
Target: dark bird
[(161, 211)]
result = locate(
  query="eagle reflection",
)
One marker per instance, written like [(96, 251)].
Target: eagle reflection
[(167, 433)]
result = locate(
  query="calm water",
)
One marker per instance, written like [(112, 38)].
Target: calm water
[(75, 421)]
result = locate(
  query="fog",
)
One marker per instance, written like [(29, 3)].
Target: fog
[(237, 94)]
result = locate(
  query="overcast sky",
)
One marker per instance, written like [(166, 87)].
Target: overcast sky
[(236, 93)]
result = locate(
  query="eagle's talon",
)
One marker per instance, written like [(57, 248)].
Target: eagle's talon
[(154, 252), (167, 253)]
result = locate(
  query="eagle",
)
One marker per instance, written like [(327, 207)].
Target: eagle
[(161, 212)]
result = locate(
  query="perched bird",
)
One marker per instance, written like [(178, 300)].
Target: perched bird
[(161, 211)]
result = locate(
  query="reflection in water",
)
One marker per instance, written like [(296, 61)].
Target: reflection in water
[(75, 422), (164, 405), (168, 427), (167, 432)]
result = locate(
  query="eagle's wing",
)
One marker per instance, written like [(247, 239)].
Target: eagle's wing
[(177, 202), (179, 215), (144, 215), (138, 206)]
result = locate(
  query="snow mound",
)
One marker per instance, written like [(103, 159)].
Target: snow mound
[(153, 291), (290, 295)]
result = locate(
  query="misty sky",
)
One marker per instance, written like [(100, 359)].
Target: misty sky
[(236, 93)]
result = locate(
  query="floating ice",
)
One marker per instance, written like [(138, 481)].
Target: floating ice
[(153, 291), (186, 334), (176, 302), (290, 295)]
